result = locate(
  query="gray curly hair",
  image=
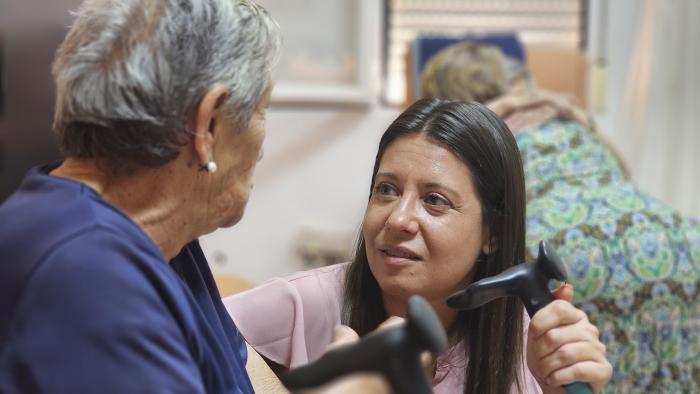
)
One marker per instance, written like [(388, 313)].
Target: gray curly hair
[(130, 71)]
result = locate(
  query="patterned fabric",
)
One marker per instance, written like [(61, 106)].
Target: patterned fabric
[(633, 260)]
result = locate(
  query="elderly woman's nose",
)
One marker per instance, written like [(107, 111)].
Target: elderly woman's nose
[(403, 216)]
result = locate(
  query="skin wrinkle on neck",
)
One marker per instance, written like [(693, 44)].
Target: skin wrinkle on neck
[(152, 198)]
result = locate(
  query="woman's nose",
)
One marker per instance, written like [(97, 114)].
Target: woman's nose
[(403, 217)]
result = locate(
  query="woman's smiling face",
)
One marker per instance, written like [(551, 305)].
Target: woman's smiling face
[(423, 226)]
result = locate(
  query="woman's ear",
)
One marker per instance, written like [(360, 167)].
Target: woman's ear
[(487, 248), (204, 123), (489, 244)]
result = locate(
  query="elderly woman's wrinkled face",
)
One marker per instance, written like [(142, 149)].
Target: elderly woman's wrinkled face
[(423, 225), (236, 158)]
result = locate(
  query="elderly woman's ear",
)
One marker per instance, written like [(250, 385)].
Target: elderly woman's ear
[(204, 121)]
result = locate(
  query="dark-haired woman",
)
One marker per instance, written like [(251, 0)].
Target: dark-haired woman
[(446, 208)]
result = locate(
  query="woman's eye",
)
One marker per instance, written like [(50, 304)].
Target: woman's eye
[(437, 200), (385, 189)]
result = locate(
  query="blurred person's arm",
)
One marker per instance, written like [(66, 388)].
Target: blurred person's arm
[(262, 377), (522, 109)]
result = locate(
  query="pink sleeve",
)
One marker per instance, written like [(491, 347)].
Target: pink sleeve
[(530, 384), (290, 320)]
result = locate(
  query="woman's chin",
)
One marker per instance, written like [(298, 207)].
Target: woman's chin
[(400, 286), (231, 218), (231, 222)]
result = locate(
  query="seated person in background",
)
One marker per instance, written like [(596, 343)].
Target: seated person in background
[(471, 71), (634, 261), (446, 208), (103, 286)]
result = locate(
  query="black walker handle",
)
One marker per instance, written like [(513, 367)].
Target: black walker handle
[(394, 353), (528, 281)]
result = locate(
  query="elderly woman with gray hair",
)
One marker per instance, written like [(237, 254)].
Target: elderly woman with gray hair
[(160, 113)]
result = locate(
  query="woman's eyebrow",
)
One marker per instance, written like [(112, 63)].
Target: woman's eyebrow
[(430, 185), (438, 185), (389, 175)]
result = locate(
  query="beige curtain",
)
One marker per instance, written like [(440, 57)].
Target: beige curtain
[(660, 123)]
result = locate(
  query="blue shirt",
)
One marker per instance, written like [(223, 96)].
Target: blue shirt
[(88, 304)]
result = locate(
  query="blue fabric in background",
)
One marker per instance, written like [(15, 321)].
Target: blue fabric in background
[(88, 304)]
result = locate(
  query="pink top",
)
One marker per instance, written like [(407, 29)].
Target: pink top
[(291, 321)]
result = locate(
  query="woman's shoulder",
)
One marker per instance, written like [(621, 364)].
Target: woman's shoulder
[(290, 319), (331, 274), (314, 289)]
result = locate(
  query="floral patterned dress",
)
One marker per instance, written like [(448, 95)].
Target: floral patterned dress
[(633, 260)]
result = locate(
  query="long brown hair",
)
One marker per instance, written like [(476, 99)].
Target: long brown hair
[(492, 334)]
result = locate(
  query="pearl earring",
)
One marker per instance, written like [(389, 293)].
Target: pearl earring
[(211, 166)]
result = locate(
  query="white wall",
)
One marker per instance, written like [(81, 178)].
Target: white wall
[(315, 172), (660, 143), (619, 37)]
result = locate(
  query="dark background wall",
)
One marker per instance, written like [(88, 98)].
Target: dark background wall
[(30, 32)]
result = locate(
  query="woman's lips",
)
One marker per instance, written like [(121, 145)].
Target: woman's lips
[(398, 254)]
